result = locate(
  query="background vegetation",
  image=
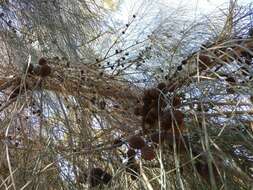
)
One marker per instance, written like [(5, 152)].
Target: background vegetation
[(162, 101)]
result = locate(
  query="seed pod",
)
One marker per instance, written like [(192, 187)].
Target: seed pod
[(179, 67), (151, 117), (136, 142), (45, 70), (177, 119), (149, 95), (166, 120), (204, 60), (147, 153), (99, 176), (161, 86), (176, 101), (42, 61), (131, 154)]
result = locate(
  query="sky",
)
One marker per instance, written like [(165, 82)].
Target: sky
[(125, 8)]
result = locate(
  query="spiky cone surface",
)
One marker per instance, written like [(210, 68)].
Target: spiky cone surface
[(99, 176), (205, 61), (176, 102), (152, 116), (131, 153), (136, 142), (42, 61), (147, 153), (150, 95), (162, 86), (45, 70), (170, 119)]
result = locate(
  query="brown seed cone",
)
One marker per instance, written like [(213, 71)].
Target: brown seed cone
[(136, 142), (151, 117), (166, 121), (45, 70), (177, 119), (161, 86), (204, 61), (131, 154), (149, 95), (176, 101), (42, 61), (147, 153)]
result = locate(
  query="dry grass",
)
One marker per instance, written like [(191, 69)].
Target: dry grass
[(55, 129)]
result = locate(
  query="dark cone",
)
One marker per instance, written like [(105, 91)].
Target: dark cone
[(152, 117), (45, 70), (147, 153), (150, 95), (136, 142), (42, 61), (204, 60), (131, 154), (161, 86), (166, 121), (176, 101), (177, 118)]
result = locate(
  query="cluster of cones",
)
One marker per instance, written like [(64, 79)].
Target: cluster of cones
[(157, 106), (158, 122), (41, 69), (163, 122)]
